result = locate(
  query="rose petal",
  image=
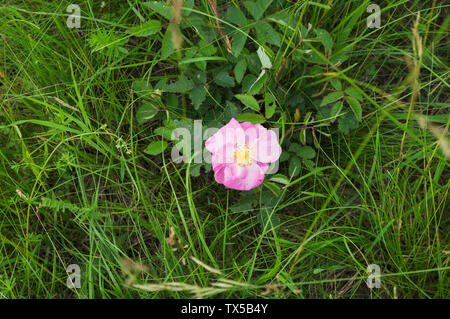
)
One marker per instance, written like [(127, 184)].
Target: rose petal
[(241, 178), (228, 134), (267, 148)]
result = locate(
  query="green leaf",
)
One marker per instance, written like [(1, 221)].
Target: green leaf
[(167, 46), (171, 101), (257, 8), (295, 148), (309, 164), (257, 85), (267, 34), (270, 105), (197, 96), (347, 122), (239, 70), (336, 109), (265, 61), (182, 85), (274, 188), (325, 37), (208, 49), (148, 28), (194, 170), (279, 178), (332, 97), (142, 88), (294, 166), (354, 92), (285, 156), (164, 132), (238, 43), (356, 107), (156, 148), (231, 110), (243, 206), (307, 152), (336, 83), (224, 79), (270, 110), (146, 112), (248, 101), (252, 118), (160, 7), (236, 16)]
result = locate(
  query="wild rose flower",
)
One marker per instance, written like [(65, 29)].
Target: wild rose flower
[(241, 153)]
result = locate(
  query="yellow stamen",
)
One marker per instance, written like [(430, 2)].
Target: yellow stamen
[(243, 155)]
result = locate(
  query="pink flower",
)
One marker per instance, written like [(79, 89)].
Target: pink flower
[(241, 153)]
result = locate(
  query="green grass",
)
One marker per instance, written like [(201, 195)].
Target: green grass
[(76, 186)]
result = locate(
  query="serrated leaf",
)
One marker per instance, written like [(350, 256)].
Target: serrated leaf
[(160, 7), (252, 118), (146, 29), (257, 8), (332, 97), (307, 152), (336, 83), (347, 122), (236, 16), (182, 85), (194, 170), (199, 77), (238, 43), (231, 111), (267, 34), (265, 61), (239, 70), (248, 101), (354, 92), (325, 37), (197, 96), (156, 148), (356, 107), (224, 79), (167, 46), (146, 112), (244, 205), (309, 164), (164, 132)]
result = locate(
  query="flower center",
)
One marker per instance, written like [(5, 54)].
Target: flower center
[(242, 155)]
